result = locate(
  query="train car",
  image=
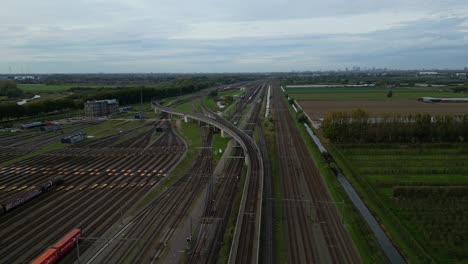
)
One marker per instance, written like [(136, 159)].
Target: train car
[(64, 245), (29, 195), (32, 125), (21, 199), (52, 182), (50, 256)]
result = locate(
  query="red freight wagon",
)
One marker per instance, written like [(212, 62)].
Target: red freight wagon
[(65, 244), (48, 257)]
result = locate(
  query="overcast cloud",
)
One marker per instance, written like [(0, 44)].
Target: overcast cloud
[(235, 36)]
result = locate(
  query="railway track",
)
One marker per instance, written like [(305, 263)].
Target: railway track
[(152, 227), (16, 145), (245, 245), (315, 232), (99, 183)]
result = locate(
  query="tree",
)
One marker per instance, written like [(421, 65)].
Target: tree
[(229, 99), (8, 88), (301, 117), (390, 94), (213, 93)]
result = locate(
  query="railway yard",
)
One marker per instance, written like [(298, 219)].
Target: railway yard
[(130, 189), (101, 178)]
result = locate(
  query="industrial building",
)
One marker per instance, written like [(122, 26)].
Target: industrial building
[(98, 108)]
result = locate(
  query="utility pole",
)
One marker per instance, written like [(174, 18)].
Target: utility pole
[(78, 251), (121, 215), (141, 95)]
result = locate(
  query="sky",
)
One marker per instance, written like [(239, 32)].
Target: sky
[(185, 36)]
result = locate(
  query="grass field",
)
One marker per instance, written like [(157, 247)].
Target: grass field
[(185, 107), (111, 127), (411, 188), (45, 88), (368, 93), (209, 102), (219, 143), (229, 93)]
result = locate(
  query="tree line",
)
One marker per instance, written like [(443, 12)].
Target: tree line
[(127, 95), (8, 88), (357, 126)]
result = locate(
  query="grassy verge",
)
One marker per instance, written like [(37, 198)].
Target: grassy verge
[(362, 236), (229, 93), (55, 146), (111, 127), (210, 103), (185, 107), (219, 143), (231, 226)]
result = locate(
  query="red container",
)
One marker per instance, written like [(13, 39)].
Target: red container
[(49, 257), (66, 244)]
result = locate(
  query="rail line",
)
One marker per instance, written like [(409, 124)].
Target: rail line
[(315, 232), (245, 245)]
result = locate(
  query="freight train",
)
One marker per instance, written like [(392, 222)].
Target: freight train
[(29, 195), (59, 249)]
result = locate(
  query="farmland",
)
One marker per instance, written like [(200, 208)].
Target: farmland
[(418, 192), (368, 93), (319, 108), (427, 218)]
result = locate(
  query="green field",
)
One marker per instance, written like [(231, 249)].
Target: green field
[(415, 191), (229, 93), (210, 103), (219, 143), (45, 88), (185, 107), (111, 127), (368, 93)]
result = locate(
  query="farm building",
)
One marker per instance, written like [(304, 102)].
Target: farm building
[(98, 108), (74, 138), (442, 100)]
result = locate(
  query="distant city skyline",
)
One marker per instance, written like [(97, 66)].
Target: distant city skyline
[(124, 36)]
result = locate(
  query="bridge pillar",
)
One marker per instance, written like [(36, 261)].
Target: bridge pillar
[(185, 119)]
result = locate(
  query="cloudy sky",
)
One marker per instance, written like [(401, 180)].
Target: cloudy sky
[(230, 36)]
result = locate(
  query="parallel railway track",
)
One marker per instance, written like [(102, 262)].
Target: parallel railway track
[(315, 232), (97, 186)]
